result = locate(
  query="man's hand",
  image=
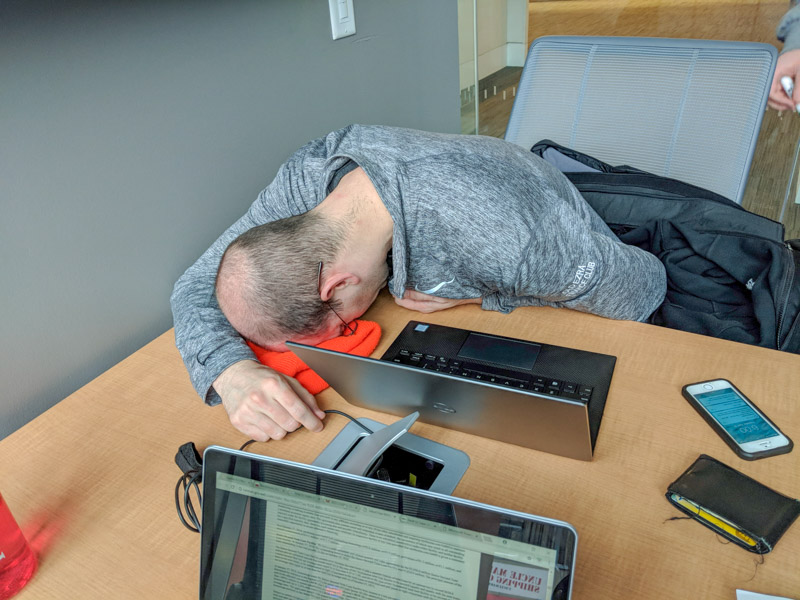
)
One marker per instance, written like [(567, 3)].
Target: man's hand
[(425, 303), (788, 65), (264, 404)]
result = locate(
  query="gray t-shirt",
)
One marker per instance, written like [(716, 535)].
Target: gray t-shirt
[(473, 216)]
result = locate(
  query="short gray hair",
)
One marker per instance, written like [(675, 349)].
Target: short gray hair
[(275, 269)]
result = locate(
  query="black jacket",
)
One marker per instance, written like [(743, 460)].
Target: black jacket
[(730, 274)]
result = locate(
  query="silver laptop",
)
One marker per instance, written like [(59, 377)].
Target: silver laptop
[(535, 395), (274, 529)]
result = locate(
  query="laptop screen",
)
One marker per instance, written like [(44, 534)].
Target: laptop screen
[(280, 530)]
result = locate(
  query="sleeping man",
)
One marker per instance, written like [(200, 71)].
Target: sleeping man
[(443, 219)]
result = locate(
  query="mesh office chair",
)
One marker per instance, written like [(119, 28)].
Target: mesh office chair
[(686, 109)]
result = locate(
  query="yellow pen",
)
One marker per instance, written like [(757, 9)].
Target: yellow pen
[(715, 520)]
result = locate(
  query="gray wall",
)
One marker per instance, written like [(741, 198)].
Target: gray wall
[(133, 133)]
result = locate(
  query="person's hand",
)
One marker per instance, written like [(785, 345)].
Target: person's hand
[(426, 303), (264, 404), (788, 64)]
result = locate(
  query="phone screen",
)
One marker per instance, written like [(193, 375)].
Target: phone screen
[(735, 415)]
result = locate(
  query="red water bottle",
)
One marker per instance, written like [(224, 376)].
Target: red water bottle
[(17, 560)]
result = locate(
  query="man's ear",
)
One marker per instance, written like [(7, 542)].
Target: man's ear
[(334, 281)]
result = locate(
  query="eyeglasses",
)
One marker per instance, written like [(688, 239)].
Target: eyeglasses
[(351, 330)]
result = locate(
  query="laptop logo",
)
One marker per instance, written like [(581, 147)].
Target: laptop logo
[(443, 408)]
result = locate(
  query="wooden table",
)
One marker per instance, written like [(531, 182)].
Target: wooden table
[(92, 479)]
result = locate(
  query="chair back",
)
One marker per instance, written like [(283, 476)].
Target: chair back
[(686, 109)]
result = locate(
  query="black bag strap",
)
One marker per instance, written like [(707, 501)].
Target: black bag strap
[(577, 161), (586, 171)]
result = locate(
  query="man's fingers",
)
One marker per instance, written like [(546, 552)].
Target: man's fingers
[(788, 65), (286, 403), (303, 408), (258, 426), (415, 295), (778, 98), (308, 399), (264, 404), (262, 428), (419, 301), (417, 305)]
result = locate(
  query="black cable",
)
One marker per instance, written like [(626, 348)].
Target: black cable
[(190, 521), (191, 478), (246, 444), (187, 500), (353, 419)]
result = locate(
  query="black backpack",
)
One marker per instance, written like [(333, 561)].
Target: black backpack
[(730, 274)]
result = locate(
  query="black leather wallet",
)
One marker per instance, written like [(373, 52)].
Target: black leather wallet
[(739, 508)]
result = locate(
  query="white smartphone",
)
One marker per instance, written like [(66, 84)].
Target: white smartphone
[(736, 419)]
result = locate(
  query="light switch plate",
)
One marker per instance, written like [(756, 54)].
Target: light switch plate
[(343, 19)]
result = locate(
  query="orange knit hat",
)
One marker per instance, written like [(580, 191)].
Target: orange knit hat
[(361, 343)]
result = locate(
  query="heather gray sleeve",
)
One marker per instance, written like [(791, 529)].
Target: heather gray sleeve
[(585, 270), (204, 337), (573, 260), (789, 29), (207, 342), (505, 225)]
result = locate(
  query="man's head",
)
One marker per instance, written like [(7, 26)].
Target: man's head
[(267, 284), (271, 288)]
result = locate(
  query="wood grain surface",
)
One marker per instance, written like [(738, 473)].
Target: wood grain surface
[(92, 479)]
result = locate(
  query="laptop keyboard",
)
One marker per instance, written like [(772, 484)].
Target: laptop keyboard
[(502, 377)]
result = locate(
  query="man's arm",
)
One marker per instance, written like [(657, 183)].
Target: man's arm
[(260, 402), (568, 264), (204, 337), (215, 355), (426, 303)]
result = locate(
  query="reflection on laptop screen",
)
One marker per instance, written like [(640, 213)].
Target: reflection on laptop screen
[(322, 547), (347, 537)]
